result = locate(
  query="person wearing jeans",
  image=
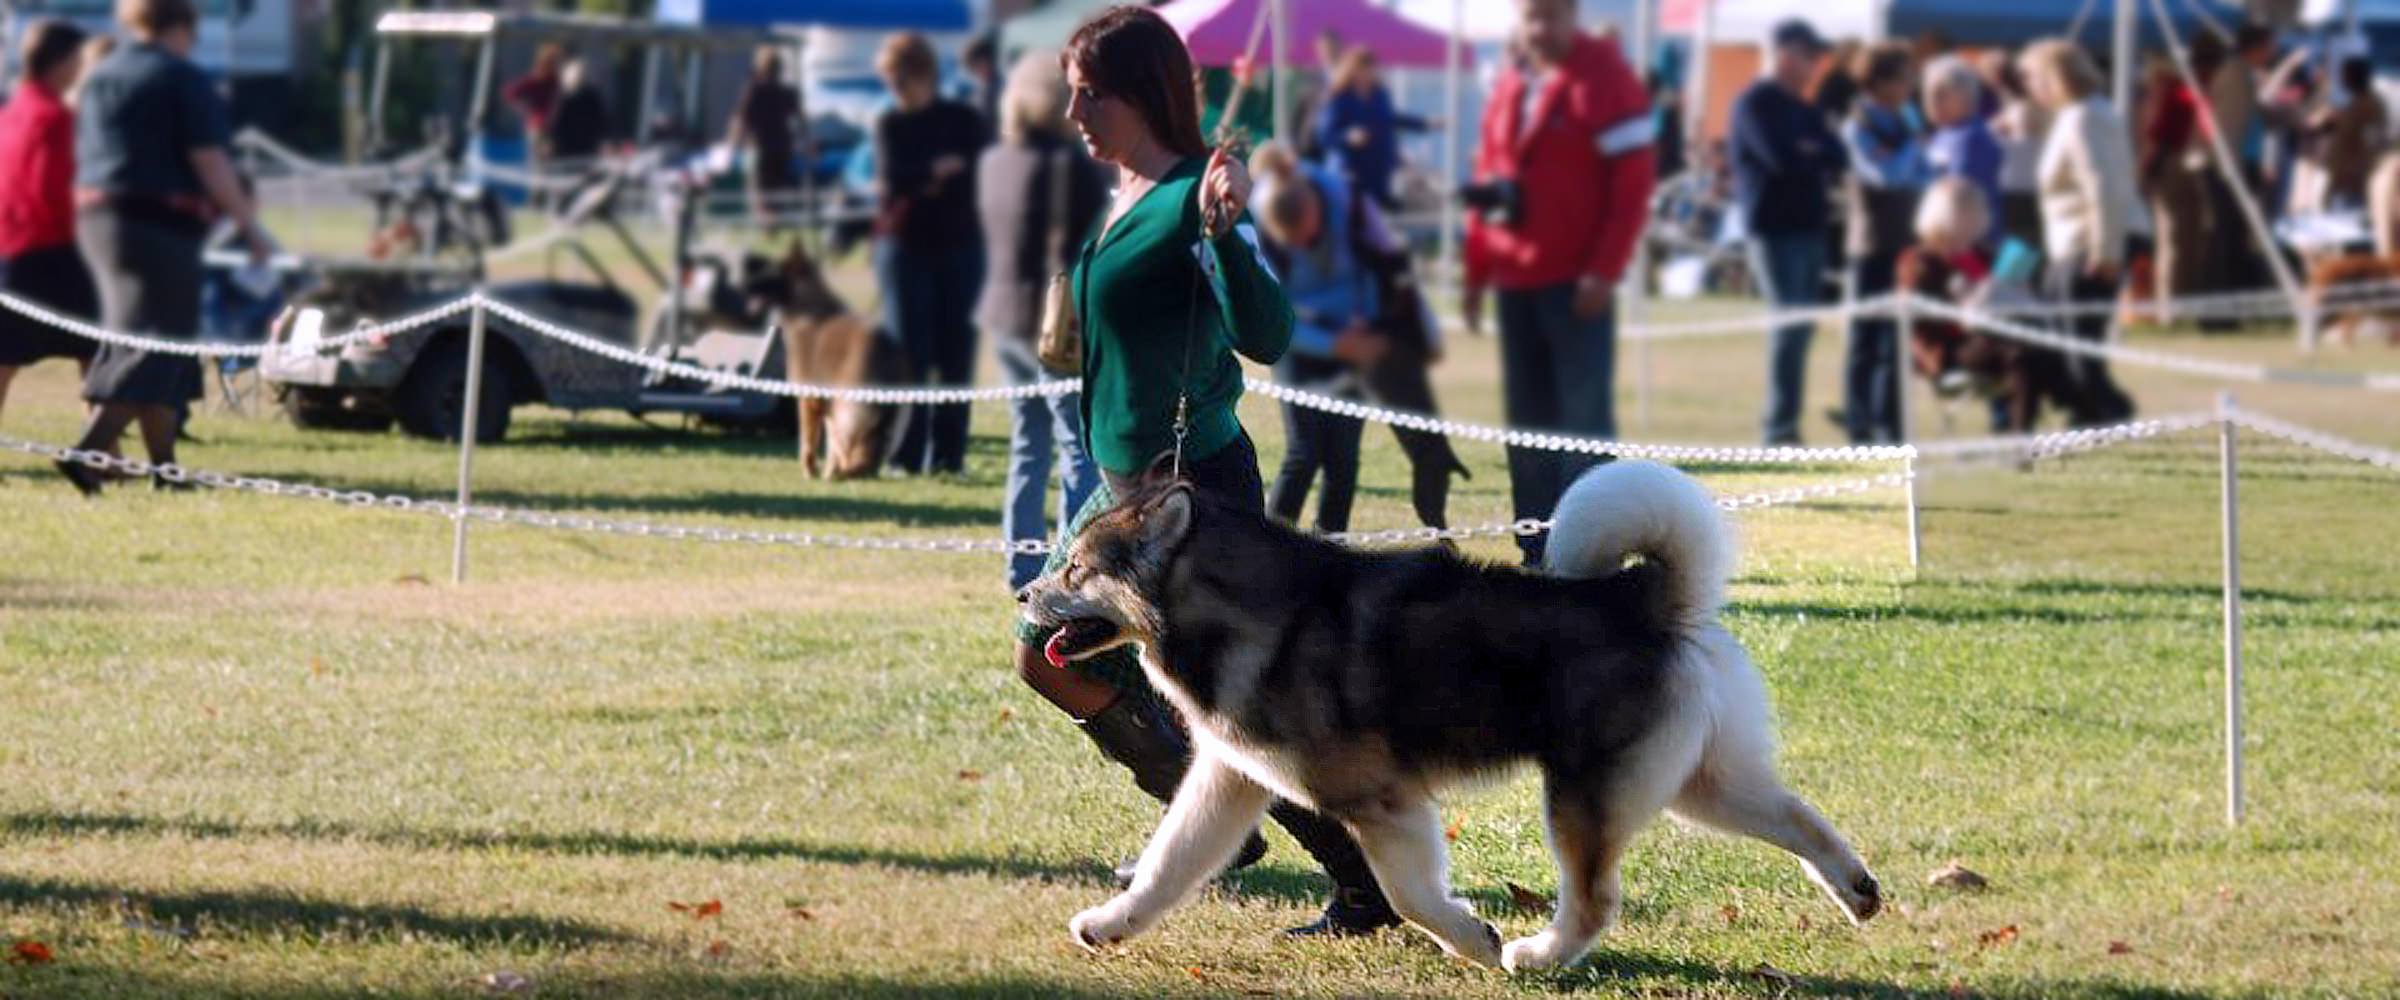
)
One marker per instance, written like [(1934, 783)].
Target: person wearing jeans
[(1785, 158), (1565, 166), (1888, 172), (1037, 195)]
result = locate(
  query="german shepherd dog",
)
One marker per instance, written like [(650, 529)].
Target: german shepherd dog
[(2345, 290), (1360, 684), (824, 343)]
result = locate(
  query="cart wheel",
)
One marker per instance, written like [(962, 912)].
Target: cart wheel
[(435, 391)]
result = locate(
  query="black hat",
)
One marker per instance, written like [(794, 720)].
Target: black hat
[(1798, 32)]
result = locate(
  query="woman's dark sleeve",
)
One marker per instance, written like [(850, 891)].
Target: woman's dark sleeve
[(900, 172), (200, 116)]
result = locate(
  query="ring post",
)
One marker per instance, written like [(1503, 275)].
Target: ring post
[(2230, 509), (468, 425)]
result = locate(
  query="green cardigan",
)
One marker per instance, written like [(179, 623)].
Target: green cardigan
[(1146, 308)]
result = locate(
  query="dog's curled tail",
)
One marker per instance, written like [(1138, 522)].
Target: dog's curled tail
[(1625, 509)]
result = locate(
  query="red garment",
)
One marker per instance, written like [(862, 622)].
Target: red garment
[(1583, 164), (37, 172), (534, 96), (2175, 121)]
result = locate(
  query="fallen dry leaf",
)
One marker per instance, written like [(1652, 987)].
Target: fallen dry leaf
[(1957, 876), (504, 981), (1730, 914), (316, 666), (30, 953), (1528, 900), (417, 579), (2119, 948), (1006, 714), (1958, 988), (699, 911), (1774, 975), (969, 774), (1804, 923), (719, 949), (803, 913), (1450, 833), (1996, 937)]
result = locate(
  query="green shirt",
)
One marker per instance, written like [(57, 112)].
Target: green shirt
[(1149, 314)]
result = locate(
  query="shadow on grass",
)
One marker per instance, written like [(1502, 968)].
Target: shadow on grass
[(271, 912), (1269, 881), (859, 509), (1610, 972), (1660, 974)]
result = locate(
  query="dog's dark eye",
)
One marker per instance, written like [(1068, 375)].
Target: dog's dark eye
[(1074, 574)]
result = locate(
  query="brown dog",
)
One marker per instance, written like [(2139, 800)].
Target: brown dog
[(2342, 288), (824, 343)]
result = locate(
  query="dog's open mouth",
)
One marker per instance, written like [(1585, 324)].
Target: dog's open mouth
[(1077, 639)]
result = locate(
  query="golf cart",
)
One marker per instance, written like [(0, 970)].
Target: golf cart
[(431, 246)]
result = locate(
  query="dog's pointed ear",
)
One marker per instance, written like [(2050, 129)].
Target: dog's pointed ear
[(1167, 516), (796, 261)]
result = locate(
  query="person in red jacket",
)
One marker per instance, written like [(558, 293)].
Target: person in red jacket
[(1561, 191), (38, 259)]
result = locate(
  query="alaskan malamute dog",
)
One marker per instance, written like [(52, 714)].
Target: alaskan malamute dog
[(1360, 684)]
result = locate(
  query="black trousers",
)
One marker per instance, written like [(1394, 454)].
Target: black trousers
[(2093, 397)]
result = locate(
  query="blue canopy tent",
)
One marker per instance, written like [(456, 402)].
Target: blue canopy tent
[(1984, 22), (921, 15)]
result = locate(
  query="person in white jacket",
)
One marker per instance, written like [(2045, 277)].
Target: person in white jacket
[(2093, 219)]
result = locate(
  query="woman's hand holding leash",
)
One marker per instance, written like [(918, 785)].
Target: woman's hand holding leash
[(1224, 190)]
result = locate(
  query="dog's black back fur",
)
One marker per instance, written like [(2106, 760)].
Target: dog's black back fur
[(1461, 667)]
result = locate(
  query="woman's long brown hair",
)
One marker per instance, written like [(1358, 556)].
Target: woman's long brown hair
[(1131, 54)]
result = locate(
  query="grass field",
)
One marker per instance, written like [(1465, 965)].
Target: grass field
[(248, 750)]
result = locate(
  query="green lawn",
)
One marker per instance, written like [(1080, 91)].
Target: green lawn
[(249, 751)]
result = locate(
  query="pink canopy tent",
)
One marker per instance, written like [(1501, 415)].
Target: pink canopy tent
[(1218, 30)]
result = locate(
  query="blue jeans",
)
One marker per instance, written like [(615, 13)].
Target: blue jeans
[(1036, 427), (1559, 372), (928, 303), (1871, 384), (1791, 267)]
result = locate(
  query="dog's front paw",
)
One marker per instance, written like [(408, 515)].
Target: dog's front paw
[(1541, 951), (1102, 926)]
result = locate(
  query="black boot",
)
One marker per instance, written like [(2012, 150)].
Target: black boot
[(1358, 907), (1138, 733)]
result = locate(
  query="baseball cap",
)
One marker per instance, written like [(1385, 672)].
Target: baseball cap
[(1798, 32)]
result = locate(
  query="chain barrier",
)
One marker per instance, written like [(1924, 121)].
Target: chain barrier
[(2204, 367), (364, 499), (2382, 458), (2035, 447), (198, 348), (1299, 397)]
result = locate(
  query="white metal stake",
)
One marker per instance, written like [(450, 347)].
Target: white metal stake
[(2228, 481), (1907, 330), (468, 425)]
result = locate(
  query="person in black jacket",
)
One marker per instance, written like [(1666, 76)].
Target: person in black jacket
[(928, 253), (1785, 160)]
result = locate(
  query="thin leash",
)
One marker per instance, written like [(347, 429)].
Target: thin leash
[(1213, 223)]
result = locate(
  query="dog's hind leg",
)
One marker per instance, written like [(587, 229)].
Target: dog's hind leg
[(1739, 793), (1592, 822), (1405, 846), (1214, 811)]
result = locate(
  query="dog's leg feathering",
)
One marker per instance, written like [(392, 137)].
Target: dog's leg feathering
[(1404, 844), (1215, 810)]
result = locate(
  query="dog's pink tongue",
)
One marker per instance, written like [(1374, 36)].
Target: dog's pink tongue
[(1051, 651)]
